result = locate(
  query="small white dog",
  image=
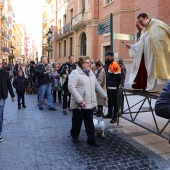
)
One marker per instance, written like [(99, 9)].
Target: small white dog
[(99, 127)]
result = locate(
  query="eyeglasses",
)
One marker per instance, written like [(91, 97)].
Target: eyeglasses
[(87, 62)]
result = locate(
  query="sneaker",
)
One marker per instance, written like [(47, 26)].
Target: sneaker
[(40, 108), (23, 106), (1, 139), (64, 112), (107, 116), (114, 120), (53, 109)]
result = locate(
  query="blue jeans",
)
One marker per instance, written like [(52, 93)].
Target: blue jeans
[(45, 88), (2, 103)]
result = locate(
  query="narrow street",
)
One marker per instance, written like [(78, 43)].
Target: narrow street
[(39, 140)]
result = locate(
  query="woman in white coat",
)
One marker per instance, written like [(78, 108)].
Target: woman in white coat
[(83, 85)]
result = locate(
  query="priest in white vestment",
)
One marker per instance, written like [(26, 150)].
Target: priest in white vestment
[(155, 45)]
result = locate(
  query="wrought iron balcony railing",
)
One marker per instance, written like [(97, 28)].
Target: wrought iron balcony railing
[(4, 34), (78, 19), (5, 49), (7, 23), (63, 31)]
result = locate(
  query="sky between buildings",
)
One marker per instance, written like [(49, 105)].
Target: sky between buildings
[(29, 13)]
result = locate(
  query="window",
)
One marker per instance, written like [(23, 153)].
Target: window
[(71, 14), (59, 50), (71, 45), (64, 47), (83, 45), (83, 5), (107, 48), (59, 2), (64, 20), (59, 24)]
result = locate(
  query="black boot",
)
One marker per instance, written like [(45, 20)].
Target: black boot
[(23, 105), (19, 106), (99, 111)]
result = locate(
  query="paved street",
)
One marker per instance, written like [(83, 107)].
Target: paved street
[(39, 140)]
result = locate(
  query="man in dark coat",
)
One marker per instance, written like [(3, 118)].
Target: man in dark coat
[(113, 78), (162, 106), (44, 84), (5, 86), (64, 72)]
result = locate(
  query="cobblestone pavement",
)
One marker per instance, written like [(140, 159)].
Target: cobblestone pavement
[(39, 140)]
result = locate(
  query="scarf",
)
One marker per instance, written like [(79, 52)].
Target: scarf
[(98, 72)]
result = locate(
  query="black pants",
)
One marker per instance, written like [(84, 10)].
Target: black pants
[(21, 95), (55, 95), (77, 119), (120, 97), (66, 102), (112, 102)]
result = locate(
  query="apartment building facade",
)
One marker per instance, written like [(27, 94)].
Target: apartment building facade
[(5, 27), (13, 40), (48, 24), (76, 24), (16, 41)]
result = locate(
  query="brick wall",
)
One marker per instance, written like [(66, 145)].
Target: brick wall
[(124, 12)]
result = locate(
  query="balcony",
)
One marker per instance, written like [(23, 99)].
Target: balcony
[(63, 32), (5, 50), (78, 21), (6, 24), (1, 4), (5, 35)]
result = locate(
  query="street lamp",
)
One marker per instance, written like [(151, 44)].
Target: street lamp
[(49, 36)]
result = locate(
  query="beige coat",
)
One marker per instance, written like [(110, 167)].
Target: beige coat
[(83, 87), (101, 79)]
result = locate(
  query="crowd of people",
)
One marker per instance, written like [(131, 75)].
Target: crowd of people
[(85, 86), (72, 84)]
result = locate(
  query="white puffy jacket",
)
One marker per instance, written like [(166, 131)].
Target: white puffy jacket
[(83, 87)]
